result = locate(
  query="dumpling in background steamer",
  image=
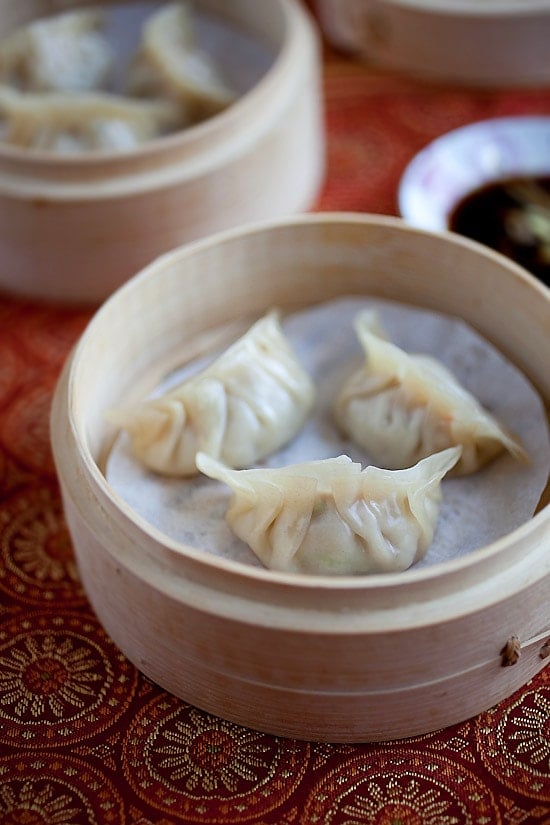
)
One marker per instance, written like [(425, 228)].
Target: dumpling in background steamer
[(400, 408), (329, 517), (65, 122), (245, 405), (171, 64), (67, 52)]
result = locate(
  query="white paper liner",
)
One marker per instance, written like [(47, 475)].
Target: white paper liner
[(476, 510)]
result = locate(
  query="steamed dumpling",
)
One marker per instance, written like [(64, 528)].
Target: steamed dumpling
[(329, 517), (71, 123), (170, 64), (67, 52), (246, 404), (400, 408)]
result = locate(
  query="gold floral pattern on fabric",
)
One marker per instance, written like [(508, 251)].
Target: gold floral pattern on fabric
[(11, 370), (12, 477), (25, 428), (202, 769), (36, 558), (59, 674), (377, 122), (322, 753), (65, 791), (48, 332), (514, 741), (401, 786), (131, 754), (457, 740)]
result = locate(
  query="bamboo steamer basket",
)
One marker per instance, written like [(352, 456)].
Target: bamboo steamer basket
[(74, 228), (337, 659), (478, 42)]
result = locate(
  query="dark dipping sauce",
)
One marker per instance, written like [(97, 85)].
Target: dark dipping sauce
[(511, 216)]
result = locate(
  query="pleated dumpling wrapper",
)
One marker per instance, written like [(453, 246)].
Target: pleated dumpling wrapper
[(66, 52), (70, 123), (329, 517), (243, 406), (171, 64), (401, 408)]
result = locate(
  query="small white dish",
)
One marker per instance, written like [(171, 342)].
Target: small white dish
[(460, 162)]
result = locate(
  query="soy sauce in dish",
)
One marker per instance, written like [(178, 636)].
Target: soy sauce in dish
[(511, 216)]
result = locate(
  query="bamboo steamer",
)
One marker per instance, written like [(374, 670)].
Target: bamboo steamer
[(74, 228), (337, 659), (477, 42)]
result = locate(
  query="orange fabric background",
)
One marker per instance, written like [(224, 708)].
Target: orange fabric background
[(84, 737)]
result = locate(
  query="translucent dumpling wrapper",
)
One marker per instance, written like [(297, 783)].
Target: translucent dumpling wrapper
[(330, 517), (171, 64), (400, 408), (65, 122), (246, 404), (67, 52)]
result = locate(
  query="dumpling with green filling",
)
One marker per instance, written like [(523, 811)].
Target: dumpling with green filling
[(244, 405), (402, 407), (330, 517)]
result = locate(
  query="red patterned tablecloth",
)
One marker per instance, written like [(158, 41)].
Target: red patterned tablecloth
[(85, 739)]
